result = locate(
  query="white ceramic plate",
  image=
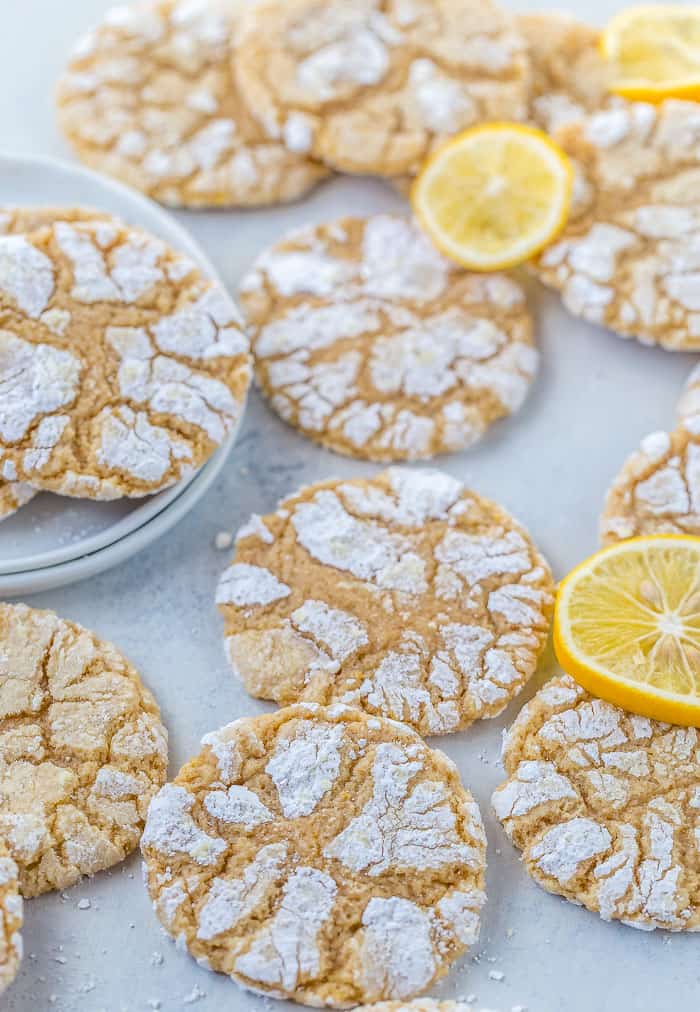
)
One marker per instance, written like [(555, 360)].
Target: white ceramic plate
[(53, 541)]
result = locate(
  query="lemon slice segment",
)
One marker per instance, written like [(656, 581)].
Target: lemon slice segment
[(494, 195), (655, 52), (627, 626)]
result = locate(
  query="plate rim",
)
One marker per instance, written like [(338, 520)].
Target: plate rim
[(153, 506)]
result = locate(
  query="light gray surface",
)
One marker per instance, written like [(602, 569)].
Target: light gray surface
[(595, 398)]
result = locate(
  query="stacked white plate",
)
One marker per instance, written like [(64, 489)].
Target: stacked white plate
[(53, 540)]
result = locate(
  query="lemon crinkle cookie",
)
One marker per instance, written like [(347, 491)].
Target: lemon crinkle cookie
[(10, 919), (82, 750), (406, 595), (371, 86), (658, 488), (628, 257), (300, 850), (369, 341), (121, 367), (149, 97), (605, 807), (15, 221), (570, 77)]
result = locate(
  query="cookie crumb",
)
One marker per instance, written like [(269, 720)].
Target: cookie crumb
[(496, 975), (223, 540)]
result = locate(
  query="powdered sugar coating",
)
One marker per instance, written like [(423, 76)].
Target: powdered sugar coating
[(370, 342), (373, 86), (284, 903), (131, 375), (150, 98), (406, 595), (10, 919), (658, 488), (628, 258), (570, 78), (82, 750), (602, 805)]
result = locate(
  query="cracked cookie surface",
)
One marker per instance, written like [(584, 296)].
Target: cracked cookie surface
[(15, 221), (121, 367), (569, 75), (658, 488), (82, 750), (300, 849), (406, 595), (10, 919), (149, 97), (373, 86), (628, 257), (605, 807), (369, 341)]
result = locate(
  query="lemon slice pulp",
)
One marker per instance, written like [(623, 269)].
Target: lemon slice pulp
[(627, 626), (494, 195)]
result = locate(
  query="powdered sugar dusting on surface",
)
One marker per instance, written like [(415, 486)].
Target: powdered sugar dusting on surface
[(400, 827), (373, 343), (109, 352), (26, 275), (426, 604), (305, 767), (598, 807), (150, 98), (390, 968), (374, 82), (628, 259), (263, 899)]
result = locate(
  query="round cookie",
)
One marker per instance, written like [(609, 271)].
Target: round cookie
[(121, 367), (373, 86), (569, 75), (406, 595), (300, 850), (605, 807), (628, 257), (10, 919), (148, 97), (15, 221), (370, 342), (82, 750), (658, 488)]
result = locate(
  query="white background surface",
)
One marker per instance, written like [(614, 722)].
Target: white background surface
[(596, 396)]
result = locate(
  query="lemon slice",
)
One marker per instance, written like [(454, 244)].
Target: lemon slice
[(627, 626), (494, 195), (655, 52)]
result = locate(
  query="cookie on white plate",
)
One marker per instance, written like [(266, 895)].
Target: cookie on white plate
[(300, 850), (122, 368), (16, 220)]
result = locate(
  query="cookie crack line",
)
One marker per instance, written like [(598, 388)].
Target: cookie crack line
[(267, 830)]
